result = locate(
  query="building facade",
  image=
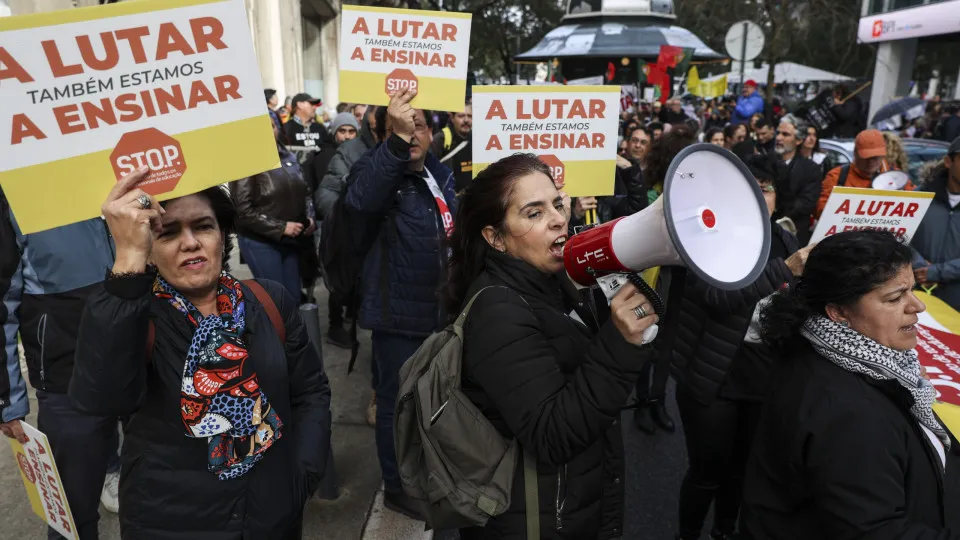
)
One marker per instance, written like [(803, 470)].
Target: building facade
[(297, 41), (900, 28)]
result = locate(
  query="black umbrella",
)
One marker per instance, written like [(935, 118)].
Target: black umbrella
[(909, 107)]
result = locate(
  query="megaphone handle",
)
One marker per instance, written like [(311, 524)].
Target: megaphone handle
[(652, 295)]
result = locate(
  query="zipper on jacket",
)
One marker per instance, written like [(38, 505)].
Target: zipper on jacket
[(561, 496), (41, 337)]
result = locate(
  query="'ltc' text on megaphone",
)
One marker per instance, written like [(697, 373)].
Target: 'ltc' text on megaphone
[(711, 218)]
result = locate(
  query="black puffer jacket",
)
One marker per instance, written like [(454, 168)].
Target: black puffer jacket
[(267, 201), (713, 323), (166, 492), (558, 385), (838, 455)]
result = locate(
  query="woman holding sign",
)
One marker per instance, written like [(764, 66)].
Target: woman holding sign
[(228, 403), (848, 445)]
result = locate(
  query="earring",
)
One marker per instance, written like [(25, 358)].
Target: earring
[(845, 324)]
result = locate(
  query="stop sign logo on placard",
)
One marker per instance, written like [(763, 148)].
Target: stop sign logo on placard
[(26, 468), (152, 148), (400, 79), (556, 168)]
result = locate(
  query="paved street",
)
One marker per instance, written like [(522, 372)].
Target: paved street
[(655, 466)]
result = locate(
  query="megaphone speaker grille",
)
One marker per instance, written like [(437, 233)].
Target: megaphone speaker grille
[(716, 216)]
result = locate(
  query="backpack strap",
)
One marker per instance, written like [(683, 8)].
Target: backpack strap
[(531, 495), (270, 306), (844, 171), (462, 318), (262, 296)]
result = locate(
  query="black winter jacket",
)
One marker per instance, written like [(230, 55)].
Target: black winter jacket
[(166, 492), (267, 201), (713, 323), (557, 385), (838, 455), (798, 190)]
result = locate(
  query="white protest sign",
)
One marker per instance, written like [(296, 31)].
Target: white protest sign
[(42, 481), (571, 128), (856, 209)]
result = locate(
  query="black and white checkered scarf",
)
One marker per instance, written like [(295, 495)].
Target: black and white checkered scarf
[(857, 353)]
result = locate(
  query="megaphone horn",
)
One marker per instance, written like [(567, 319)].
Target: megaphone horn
[(712, 218)]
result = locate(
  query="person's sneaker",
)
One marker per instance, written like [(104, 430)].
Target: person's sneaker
[(339, 337), (401, 503), (372, 411), (110, 496)]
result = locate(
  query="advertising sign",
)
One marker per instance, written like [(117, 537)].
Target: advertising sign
[(934, 19), (385, 50), (91, 94), (855, 209), (572, 128)]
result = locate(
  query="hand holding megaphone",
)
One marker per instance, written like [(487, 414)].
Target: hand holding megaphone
[(633, 315), (712, 219)]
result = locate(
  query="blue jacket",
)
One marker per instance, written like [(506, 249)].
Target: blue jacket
[(747, 107), (937, 241), (406, 263), (45, 279)]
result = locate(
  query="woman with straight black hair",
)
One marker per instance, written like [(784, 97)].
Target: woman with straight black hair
[(848, 445), (536, 361)]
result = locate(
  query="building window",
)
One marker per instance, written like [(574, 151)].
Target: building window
[(901, 4), (876, 6)]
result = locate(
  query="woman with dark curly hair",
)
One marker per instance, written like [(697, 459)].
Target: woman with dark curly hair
[(848, 445)]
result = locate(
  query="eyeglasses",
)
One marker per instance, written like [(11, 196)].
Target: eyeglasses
[(641, 142)]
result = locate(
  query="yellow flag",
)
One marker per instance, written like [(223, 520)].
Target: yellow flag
[(693, 81)]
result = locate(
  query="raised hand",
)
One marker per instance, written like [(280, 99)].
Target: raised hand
[(131, 222)]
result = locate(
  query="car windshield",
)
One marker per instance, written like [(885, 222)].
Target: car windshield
[(920, 155)]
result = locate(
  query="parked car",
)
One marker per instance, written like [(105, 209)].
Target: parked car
[(919, 152)]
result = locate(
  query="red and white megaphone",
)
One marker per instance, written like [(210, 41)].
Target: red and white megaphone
[(711, 218)]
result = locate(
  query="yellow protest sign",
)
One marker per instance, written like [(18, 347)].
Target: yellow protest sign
[(44, 488), (385, 50), (90, 94), (572, 128)]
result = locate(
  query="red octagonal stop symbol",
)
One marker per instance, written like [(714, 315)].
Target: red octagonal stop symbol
[(400, 79), (557, 169), (155, 149)]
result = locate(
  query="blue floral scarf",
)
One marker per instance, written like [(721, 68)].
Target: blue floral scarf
[(220, 398)]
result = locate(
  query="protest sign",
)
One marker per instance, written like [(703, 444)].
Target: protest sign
[(385, 50), (938, 348), (40, 477), (857, 209), (572, 128), (90, 94)]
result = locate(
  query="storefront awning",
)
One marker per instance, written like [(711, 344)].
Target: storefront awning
[(633, 39)]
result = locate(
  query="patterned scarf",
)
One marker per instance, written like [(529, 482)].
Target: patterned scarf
[(220, 398), (857, 353)]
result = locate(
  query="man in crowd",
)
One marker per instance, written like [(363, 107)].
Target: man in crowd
[(345, 129), (765, 137), (272, 101), (655, 129), (401, 201), (303, 129), (848, 111), (453, 147), (748, 104), (359, 109), (45, 279), (936, 244), (799, 178), (869, 151), (949, 128), (673, 112)]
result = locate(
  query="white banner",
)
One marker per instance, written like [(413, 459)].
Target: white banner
[(855, 209)]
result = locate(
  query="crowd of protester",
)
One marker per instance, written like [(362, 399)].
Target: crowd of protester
[(803, 411)]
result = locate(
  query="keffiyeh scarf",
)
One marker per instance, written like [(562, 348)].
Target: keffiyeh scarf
[(220, 398), (857, 353)]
